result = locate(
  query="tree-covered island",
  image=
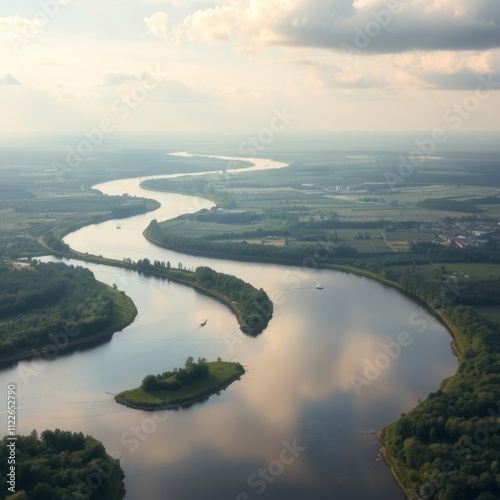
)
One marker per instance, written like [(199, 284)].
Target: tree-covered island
[(182, 386)]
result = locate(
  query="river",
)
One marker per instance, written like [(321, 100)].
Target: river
[(299, 424)]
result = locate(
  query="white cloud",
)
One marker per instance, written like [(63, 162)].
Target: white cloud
[(240, 58), (405, 26), (210, 25), (450, 70), (158, 25), (321, 73)]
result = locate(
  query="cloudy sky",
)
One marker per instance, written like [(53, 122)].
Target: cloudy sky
[(231, 65)]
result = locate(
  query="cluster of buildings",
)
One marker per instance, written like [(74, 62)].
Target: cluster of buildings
[(465, 234)]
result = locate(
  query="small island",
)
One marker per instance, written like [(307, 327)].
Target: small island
[(182, 386)]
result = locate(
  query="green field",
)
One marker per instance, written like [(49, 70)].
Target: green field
[(474, 271), (409, 236), (195, 229)]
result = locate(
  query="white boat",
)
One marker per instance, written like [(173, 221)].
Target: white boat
[(118, 226), (203, 323), (319, 286)]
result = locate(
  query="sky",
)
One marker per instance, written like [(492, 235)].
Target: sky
[(69, 66)]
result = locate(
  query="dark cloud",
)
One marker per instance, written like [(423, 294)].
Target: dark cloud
[(393, 26), (465, 79)]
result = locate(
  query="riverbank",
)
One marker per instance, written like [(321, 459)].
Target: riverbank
[(221, 374), (347, 269), (123, 314), (263, 309), (459, 341)]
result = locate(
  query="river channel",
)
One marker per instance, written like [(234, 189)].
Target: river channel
[(298, 425)]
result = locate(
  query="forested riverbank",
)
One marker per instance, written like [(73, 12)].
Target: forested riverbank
[(50, 307), (437, 430)]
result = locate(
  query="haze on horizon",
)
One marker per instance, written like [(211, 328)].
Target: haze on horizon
[(232, 65)]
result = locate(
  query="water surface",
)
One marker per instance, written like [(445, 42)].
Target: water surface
[(298, 391)]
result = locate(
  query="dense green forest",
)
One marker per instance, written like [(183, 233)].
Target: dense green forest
[(60, 464), (490, 252), (51, 304), (448, 447), (21, 246)]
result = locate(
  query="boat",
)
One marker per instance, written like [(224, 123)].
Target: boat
[(319, 286), (203, 323), (118, 226)]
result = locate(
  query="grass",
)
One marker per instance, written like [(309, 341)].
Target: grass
[(491, 313), (220, 375), (409, 236), (197, 229), (124, 310), (474, 270), (400, 472)]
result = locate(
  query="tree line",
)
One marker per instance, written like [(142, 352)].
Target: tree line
[(245, 251), (178, 377), (253, 306), (60, 464)]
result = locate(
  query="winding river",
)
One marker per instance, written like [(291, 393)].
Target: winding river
[(294, 427)]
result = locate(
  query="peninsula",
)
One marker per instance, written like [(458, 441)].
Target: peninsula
[(46, 308)]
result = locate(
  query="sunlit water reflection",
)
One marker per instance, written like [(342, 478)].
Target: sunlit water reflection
[(298, 389)]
